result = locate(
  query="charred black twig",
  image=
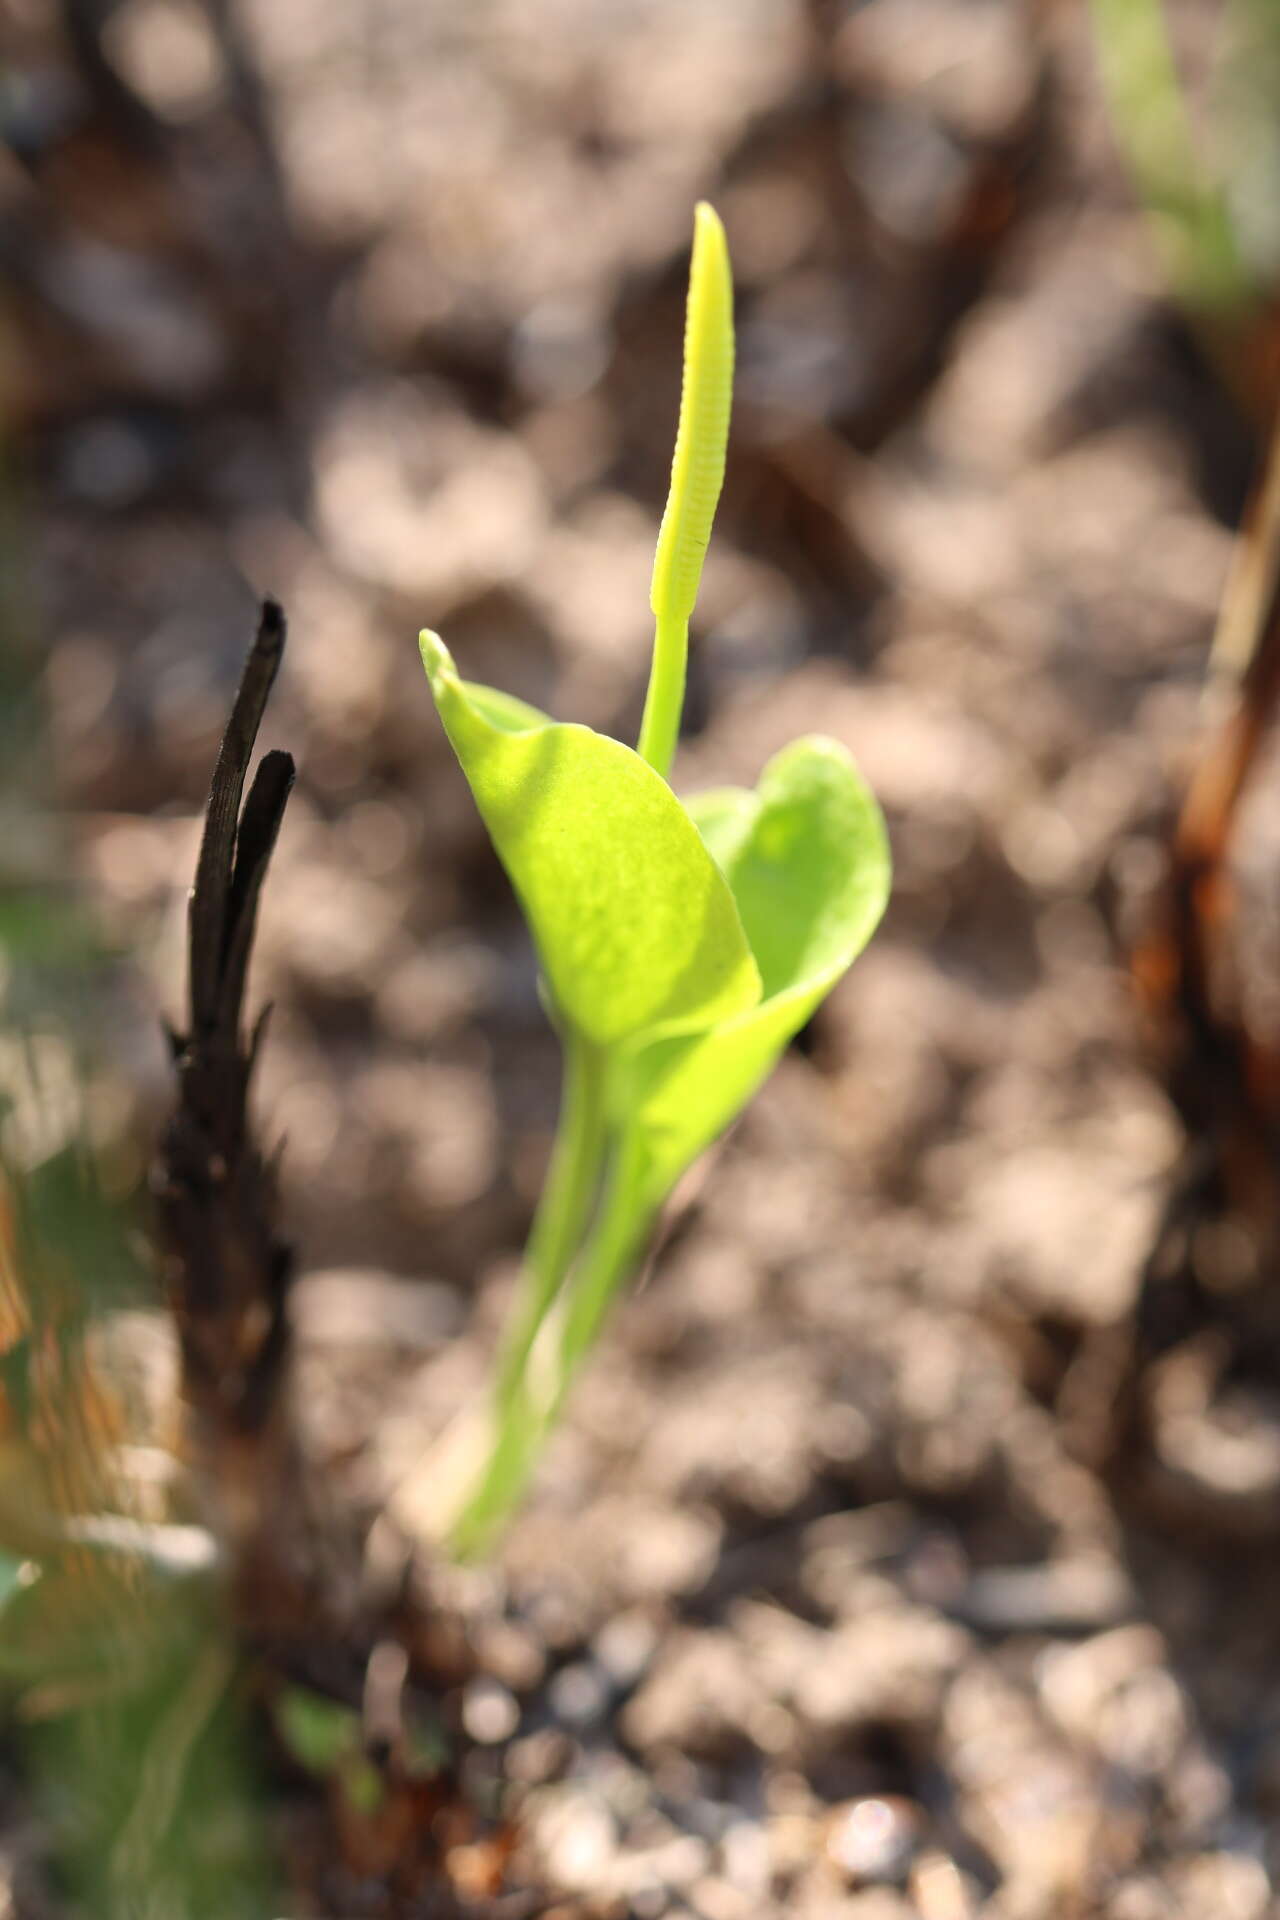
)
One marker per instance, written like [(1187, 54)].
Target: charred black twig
[(227, 1269)]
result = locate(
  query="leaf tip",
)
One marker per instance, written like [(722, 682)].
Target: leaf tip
[(436, 657), (708, 229)]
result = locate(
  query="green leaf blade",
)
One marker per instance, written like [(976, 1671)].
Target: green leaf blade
[(635, 925), (724, 817), (810, 873), (811, 879)]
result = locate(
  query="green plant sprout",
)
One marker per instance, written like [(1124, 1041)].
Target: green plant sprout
[(682, 943)]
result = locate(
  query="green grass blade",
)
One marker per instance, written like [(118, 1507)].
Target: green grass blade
[(1154, 129)]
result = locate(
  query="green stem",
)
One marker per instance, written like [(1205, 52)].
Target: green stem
[(525, 1418), (564, 1209), (518, 1436), (611, 1254), (519, 1416), (665, 699)]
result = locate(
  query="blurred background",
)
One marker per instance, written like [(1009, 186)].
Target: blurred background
[(910, 1547)]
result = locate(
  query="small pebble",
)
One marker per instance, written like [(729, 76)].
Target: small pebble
[(716, 1899), (675, 1864), (579, 1694), (1230, 1886), (1067, 1596), (625, 1645), (939, 1890), (654, 1902), (746, 1856), (539, 1757), (490, 1713), (510, 1654), (578, 1839), (875, 1840)]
